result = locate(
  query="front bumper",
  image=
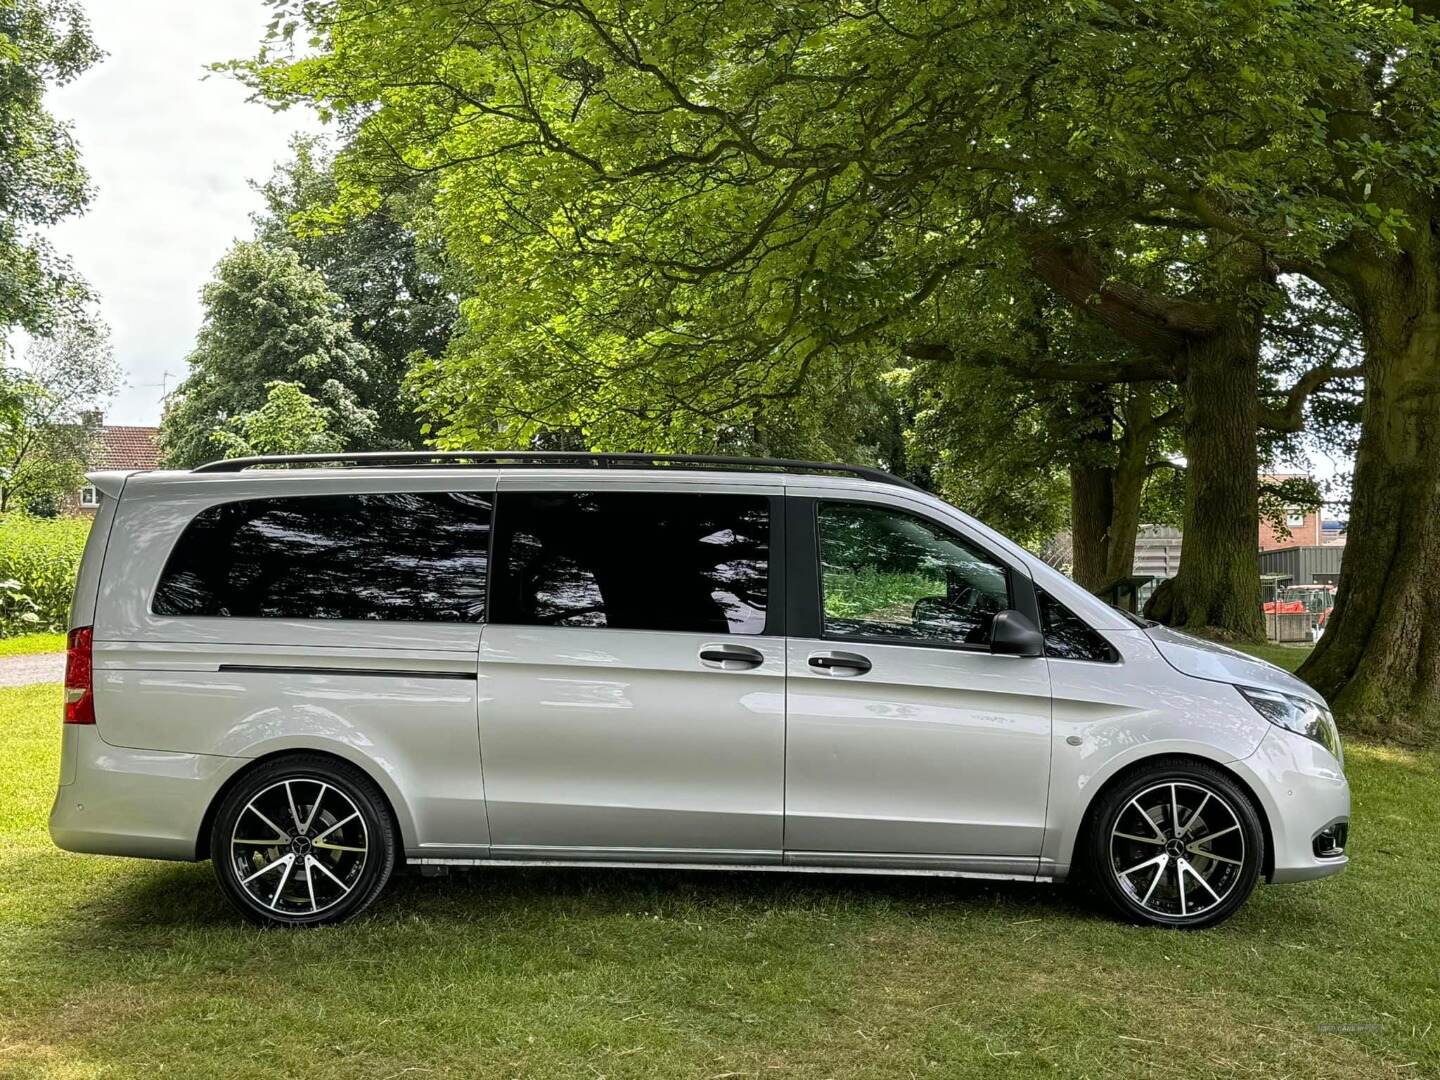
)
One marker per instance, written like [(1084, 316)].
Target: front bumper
[(145, 803), (1303, 792)]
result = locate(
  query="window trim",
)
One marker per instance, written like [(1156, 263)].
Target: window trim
[(807, 606), (88, 503), (776, 594)]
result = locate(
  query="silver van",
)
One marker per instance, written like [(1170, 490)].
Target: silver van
[(312, 669)]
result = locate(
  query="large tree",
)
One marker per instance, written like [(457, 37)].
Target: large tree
[(43, 44), (268, 320), (50, 410), (387, 268), (724, 195)]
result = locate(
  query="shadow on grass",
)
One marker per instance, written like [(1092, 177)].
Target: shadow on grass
[(185, 896)]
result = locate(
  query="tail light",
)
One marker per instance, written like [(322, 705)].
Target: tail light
[(79, 676)]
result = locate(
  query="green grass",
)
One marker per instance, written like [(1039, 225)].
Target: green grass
[(118, 968), (25, 644), (1288, 657)]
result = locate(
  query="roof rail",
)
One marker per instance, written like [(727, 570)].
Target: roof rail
[(556, 459)]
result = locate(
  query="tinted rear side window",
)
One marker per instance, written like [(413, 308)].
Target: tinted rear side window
[(416, 556), (633, 560)]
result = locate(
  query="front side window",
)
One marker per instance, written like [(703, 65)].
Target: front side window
[(894, 575), (416, 556), (1068, 637), (633, 561)]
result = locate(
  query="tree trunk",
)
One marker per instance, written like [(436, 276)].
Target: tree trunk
[(1105, 499), (1091, 488), (1379, 660), (1217, 588), (1128, 485)]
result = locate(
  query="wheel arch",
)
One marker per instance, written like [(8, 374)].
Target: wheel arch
[(1124, 773), (207, 820)]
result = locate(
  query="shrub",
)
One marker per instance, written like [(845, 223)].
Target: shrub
[(39, 558)]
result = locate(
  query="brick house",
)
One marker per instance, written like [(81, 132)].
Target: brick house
[(118, 447), (1305, 531), (1306, 527)]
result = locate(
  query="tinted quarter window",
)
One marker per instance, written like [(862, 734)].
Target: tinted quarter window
[(1067, 637), (886, 573), (415, 556), (633, 560)]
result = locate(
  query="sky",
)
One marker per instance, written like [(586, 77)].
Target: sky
[(170, 152)]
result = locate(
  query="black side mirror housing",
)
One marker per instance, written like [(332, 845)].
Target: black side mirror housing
[(1013, 634)]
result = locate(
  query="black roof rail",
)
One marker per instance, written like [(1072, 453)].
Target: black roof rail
[(557, 459)]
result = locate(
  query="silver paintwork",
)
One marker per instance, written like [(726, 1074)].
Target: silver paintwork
[(608, 747)]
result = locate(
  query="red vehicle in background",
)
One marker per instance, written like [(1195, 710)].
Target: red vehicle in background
[(1315, 600)]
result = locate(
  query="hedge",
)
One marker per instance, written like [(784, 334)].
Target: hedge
[(39, 558)]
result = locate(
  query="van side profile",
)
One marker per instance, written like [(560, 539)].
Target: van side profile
[(310, 670)]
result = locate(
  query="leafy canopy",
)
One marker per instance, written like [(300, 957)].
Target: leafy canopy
[(50, 410), (43, 44), (387, 268), (268, 319), (678, 214)]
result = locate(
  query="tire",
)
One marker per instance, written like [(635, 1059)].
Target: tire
[(1190, 877), (302, 840)]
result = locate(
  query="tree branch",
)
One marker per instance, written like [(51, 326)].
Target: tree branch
[(1290, 416), (1157, 324), (1137, 369)]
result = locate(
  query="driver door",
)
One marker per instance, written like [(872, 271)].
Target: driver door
[(908, 742)]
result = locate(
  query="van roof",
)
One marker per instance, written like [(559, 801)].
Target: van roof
[(551, 459)]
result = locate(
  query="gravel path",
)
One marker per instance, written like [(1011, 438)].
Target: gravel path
[(36, 668)]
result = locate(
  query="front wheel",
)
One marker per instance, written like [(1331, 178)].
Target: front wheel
[(1178, 844), (301, 841)]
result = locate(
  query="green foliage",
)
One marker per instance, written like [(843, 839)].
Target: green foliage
[(290, 422), (39, 560), (674, 222), (50, 411), (864, 591), (43, 44), (268, 319), (386, 266)]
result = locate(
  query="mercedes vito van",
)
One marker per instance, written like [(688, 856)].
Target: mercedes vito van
[(312, 669)]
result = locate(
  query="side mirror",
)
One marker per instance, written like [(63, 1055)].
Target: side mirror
[(1013, 634)]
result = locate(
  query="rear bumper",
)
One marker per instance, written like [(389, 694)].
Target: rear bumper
[(1303, 791), (144, 803)]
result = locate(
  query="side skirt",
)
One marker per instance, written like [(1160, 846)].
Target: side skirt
[(792, 868)]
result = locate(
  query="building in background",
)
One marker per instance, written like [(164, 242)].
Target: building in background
[(118, 447), (1304, 526), (1308, 564), (1310, 555)]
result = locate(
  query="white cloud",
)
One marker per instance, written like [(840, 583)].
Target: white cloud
[(170, 151)]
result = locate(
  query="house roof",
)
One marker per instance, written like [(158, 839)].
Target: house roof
[(121, 447)]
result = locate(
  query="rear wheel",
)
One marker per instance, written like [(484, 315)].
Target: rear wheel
[(302, 841), (1178, 844)]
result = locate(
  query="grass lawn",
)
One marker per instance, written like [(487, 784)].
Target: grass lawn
[(124, 968), (1288, 657), (25, 644)]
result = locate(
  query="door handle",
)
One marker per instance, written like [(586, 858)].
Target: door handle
[(839, 663), (731, 657)]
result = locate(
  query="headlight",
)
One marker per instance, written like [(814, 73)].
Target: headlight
[(1297, 714)]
